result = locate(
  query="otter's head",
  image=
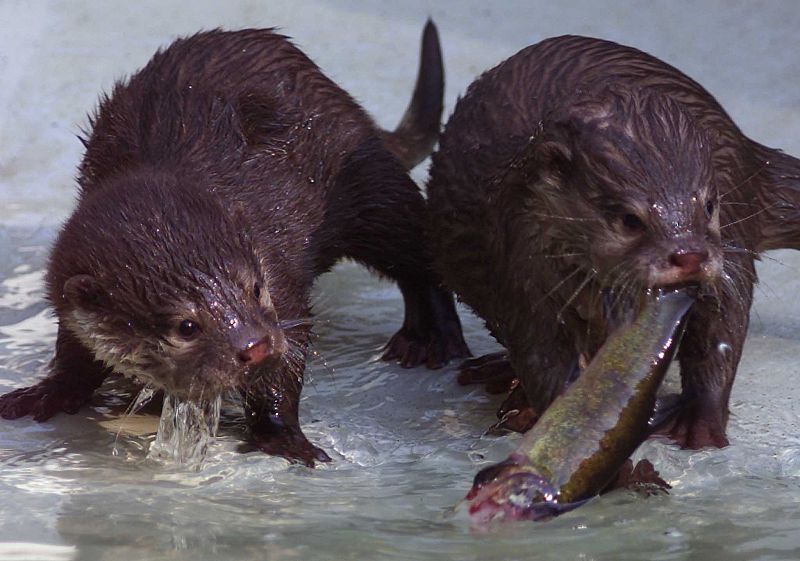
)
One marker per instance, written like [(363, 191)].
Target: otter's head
[(161, 282), (625, 184)]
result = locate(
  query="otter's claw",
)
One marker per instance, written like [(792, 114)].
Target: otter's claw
[(515, 413)]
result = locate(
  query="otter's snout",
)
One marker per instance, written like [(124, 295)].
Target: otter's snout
[(257, 351), (688, 262), (685, 262)]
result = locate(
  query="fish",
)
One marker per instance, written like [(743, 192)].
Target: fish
[(579, 444)]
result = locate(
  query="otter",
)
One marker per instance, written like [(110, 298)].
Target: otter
[(217, 183), (577, 173)]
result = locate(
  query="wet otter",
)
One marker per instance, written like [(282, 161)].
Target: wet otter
[(579, 171), (218, 182)]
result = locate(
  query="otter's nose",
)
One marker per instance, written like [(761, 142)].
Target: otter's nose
[(688, 261), (256, 351)]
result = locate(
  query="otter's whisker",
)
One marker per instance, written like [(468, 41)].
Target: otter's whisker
[(726, 248), (733, 249), (589, 276), (747, 180), (290, 323), (748, 217), (616, 282), (735, 203), (563, 255), (625, 287), (567, 218), (555, 288)]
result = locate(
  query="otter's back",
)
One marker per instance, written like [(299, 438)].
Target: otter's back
[(496, 119), (196, 101)]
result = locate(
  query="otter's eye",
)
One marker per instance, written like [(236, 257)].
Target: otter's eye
[(188, 329), (709, 208), (257, 291), (632, 223)]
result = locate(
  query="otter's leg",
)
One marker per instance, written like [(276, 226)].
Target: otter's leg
[(709, 355), (431, 331), (495, 372), (385, 231), (544, 356), (74, 377), (271, 408)]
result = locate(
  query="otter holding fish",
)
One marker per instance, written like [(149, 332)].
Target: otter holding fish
[(577, 447), (218, 182), (579, 172)]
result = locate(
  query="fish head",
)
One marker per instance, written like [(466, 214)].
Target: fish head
[(511, 491)]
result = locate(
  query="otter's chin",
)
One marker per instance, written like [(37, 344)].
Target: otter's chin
[(188, 384)]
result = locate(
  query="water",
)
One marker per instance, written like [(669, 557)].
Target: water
[(405, 445), (185, 430)]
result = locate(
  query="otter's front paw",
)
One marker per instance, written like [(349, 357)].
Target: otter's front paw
[(289, 443), (43, 400)]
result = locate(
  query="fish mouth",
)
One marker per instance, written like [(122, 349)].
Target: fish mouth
[(508, 491)]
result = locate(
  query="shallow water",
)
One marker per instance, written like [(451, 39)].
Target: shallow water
[(405, 445)]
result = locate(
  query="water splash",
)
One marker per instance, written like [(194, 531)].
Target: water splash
[(185, 430), (144, 397)]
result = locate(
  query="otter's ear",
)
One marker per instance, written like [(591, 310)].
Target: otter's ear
[(226, 129), (85, 293), (261, 121), (552, 148), (547, 157)]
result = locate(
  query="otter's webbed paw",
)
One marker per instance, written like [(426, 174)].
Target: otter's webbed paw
[(693, 428), (44, 400), (288, 442), (516, 413), (433, 349), (643, 477), (691, 424), (493, 371), (431, 332)]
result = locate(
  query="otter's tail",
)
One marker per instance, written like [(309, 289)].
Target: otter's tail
[(414, 138)]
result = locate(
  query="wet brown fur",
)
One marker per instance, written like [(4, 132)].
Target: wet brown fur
[(578, 168), (218, 182)]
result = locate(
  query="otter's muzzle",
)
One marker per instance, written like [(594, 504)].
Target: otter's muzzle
[(257, 351)]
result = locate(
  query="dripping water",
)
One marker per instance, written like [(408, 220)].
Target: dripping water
[(185, 431)]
